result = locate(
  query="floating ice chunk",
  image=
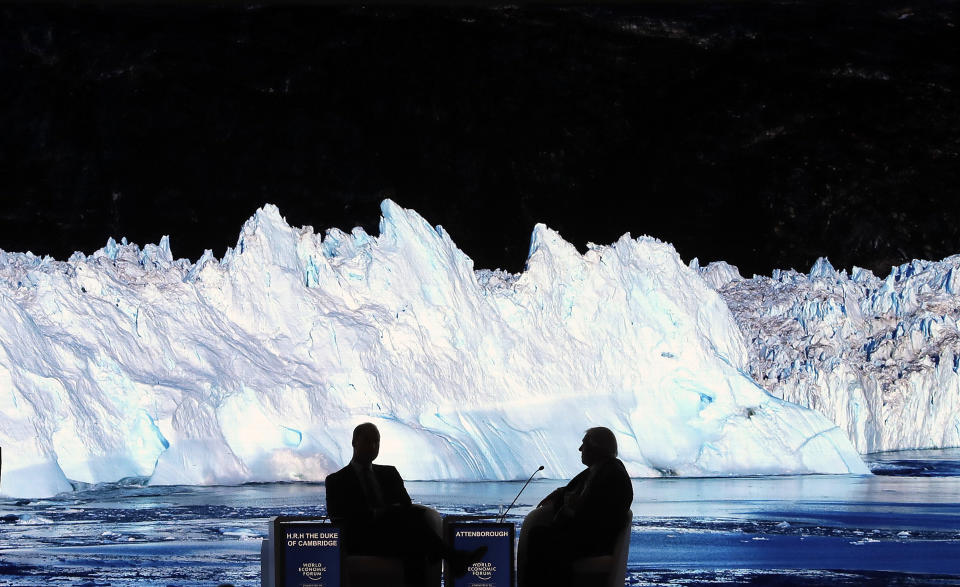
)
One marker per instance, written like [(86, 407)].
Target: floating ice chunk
[(242, 533), (33, 520)]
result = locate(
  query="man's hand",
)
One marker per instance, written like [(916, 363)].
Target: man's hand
[(555, 498)]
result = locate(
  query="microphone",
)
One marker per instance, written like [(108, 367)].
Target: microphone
[(503, 516)]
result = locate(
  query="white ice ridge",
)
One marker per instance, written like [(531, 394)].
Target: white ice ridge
[(880, 357), (257, 367)]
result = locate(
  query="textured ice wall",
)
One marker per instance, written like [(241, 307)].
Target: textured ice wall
[(880, 357), (256, 367)]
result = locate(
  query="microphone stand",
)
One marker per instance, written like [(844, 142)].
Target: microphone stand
[(503, 516)]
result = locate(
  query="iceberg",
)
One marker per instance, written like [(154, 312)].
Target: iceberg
[(880, 357), (257, 366)]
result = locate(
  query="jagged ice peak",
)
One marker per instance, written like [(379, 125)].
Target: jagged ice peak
[(256, 366)]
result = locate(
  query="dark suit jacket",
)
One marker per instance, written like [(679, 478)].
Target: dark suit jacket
[(347, 503), (599, 509)]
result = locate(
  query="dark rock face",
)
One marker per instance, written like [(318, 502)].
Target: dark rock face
[(765, 134)]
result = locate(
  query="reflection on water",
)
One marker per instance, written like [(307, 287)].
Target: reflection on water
[(901, 527)]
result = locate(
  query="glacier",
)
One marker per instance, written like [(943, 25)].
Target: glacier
[(880, 357), (257, 366)]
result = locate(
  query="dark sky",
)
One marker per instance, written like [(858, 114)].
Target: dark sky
[(765, 134)]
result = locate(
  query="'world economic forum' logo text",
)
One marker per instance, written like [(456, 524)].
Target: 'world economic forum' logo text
[(313, 571), (482, 570)]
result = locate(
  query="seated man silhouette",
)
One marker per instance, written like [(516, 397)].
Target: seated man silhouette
[(587, 513), (373, 510)]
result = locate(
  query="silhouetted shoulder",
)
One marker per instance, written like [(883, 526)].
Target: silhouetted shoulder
[(388, 470), (336, 477), (614, 467), (611, 490), (621, 468), (617, 469)]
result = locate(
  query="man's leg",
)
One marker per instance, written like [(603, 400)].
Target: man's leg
[(549, 558), (412, 533), (407, 533), (387, 539)]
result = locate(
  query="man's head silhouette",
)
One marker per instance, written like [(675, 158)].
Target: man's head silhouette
[(599, 444), (366, 443)]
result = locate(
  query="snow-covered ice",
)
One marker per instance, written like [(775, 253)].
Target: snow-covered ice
[(880, 357), (256, 366)]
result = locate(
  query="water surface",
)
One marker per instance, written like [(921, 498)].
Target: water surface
[(900, 526)]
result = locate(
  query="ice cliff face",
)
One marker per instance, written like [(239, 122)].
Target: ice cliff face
[(880, 357), (256, 367)]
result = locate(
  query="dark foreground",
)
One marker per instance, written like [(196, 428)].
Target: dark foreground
[(901, 527)]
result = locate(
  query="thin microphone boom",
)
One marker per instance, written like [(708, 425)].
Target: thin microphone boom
[(503, 516)]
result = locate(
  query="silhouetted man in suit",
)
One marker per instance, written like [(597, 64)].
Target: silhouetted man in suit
[(588, 513), (372, 507)]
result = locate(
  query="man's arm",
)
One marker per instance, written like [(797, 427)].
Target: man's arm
[(606, 497), (345, 506), (335, 506), (555, 498), (396, 494)]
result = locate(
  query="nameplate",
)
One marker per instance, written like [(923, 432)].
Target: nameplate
[(495, 569), (308, 552)]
